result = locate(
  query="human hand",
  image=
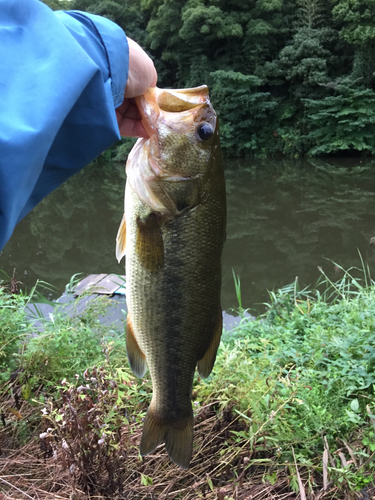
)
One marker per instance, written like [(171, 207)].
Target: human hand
[(142, 75)]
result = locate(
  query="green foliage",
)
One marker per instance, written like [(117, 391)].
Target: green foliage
[(237, 286), (302, 371), (128, 15), (304, 61), (68, 343), (310, 12), (12, 322), (342, 121), (208, 23), (301, 379), (123, 150), (357, 17), (242, 106), (58, 4), (356, 22), (15, 328), (47, 350)]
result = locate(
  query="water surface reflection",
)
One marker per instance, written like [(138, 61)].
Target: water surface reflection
[(284, 220)]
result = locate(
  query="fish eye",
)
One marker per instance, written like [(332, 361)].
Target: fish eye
[(205, 131)]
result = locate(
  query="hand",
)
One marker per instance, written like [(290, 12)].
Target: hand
[(142, 75)]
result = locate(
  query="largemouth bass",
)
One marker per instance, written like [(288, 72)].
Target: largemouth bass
[(172, 233)]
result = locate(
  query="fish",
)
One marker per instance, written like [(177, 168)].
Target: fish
[(172, 234)]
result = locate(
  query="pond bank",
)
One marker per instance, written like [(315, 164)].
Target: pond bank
[(288, 389), (109, 285)]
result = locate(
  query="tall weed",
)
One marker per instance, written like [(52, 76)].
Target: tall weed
[(303, 372), (301, 378)]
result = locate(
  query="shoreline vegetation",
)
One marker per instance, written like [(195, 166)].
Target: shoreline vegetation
[(289, 411), (287, 78)]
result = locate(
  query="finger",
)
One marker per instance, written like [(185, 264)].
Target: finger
[(142, 73), (129, 120), (132, 128), (129, 109)]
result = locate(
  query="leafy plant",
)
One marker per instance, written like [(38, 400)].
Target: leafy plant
[(242, 105), (301, 372), (88, 427), (15, 328), (291, 392), (342, 121), (259, 57), (68, 343)]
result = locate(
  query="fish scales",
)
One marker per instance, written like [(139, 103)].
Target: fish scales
[(174, 311)]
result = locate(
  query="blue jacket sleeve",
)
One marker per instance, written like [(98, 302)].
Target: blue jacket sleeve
[(62, 74)]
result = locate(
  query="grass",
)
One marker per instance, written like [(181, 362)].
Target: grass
[(303, 377), (289, 408)]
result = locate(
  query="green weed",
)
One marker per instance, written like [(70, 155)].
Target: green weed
[(299, 378), (302, 373)]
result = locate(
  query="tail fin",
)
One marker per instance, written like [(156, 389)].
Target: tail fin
[(179, 443), (178, 437)]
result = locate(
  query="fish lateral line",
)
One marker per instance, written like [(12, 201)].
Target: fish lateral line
[(175, 178), (168, 178)]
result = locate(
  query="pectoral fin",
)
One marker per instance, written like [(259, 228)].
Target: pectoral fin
[(149, 243), (137, 359), (121, 240), (206, 364)]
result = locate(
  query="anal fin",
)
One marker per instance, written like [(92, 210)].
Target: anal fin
[(149, 243), (206, 363), (121, 240), (137, 359)]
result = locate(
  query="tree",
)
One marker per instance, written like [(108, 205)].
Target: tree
[(357, 20), (271, 64), (126, 14), (342, 121), (58, 4), (242, 107)]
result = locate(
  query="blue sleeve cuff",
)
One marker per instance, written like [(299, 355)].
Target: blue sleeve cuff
[(115, 45)]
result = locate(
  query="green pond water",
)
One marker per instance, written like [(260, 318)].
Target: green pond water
[(284, 220)]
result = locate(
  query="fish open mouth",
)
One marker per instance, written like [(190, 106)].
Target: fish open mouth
[(177, 101), (156, 101)]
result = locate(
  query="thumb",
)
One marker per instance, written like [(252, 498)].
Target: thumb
[(142, 72)]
